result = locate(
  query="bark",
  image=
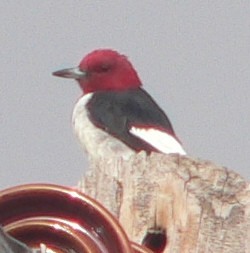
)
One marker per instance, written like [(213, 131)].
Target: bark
[(201, 206)]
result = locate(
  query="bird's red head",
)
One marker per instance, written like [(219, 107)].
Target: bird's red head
[(103, 69)]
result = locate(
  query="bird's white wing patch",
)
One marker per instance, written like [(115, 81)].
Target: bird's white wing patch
[(160, 140)]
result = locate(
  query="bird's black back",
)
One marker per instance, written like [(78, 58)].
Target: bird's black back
[(116, 111)]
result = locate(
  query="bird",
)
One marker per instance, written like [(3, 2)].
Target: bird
[(115, 117)]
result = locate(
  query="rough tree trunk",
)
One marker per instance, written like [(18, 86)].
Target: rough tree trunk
[(202, 207)]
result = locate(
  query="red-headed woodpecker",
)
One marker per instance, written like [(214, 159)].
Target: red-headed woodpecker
[(115, 117)]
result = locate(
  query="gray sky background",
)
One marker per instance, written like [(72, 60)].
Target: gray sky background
[(192, 56)]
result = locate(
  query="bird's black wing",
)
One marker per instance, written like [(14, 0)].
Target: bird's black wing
[(116, 112)]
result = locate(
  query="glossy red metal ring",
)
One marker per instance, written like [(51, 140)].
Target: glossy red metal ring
[(61, 218)]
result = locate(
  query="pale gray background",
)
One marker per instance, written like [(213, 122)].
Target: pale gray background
[(193, 57)]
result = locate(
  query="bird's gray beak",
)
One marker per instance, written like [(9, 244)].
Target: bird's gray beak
[(74, 73)]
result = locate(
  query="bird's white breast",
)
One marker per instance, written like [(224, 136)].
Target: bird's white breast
[(96, 142)]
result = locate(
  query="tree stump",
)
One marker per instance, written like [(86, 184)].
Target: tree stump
[(197, 205)]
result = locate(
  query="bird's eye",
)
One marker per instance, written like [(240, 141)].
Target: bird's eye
[(103, 68)]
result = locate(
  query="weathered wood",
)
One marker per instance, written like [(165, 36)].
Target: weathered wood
[(203, 207)]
